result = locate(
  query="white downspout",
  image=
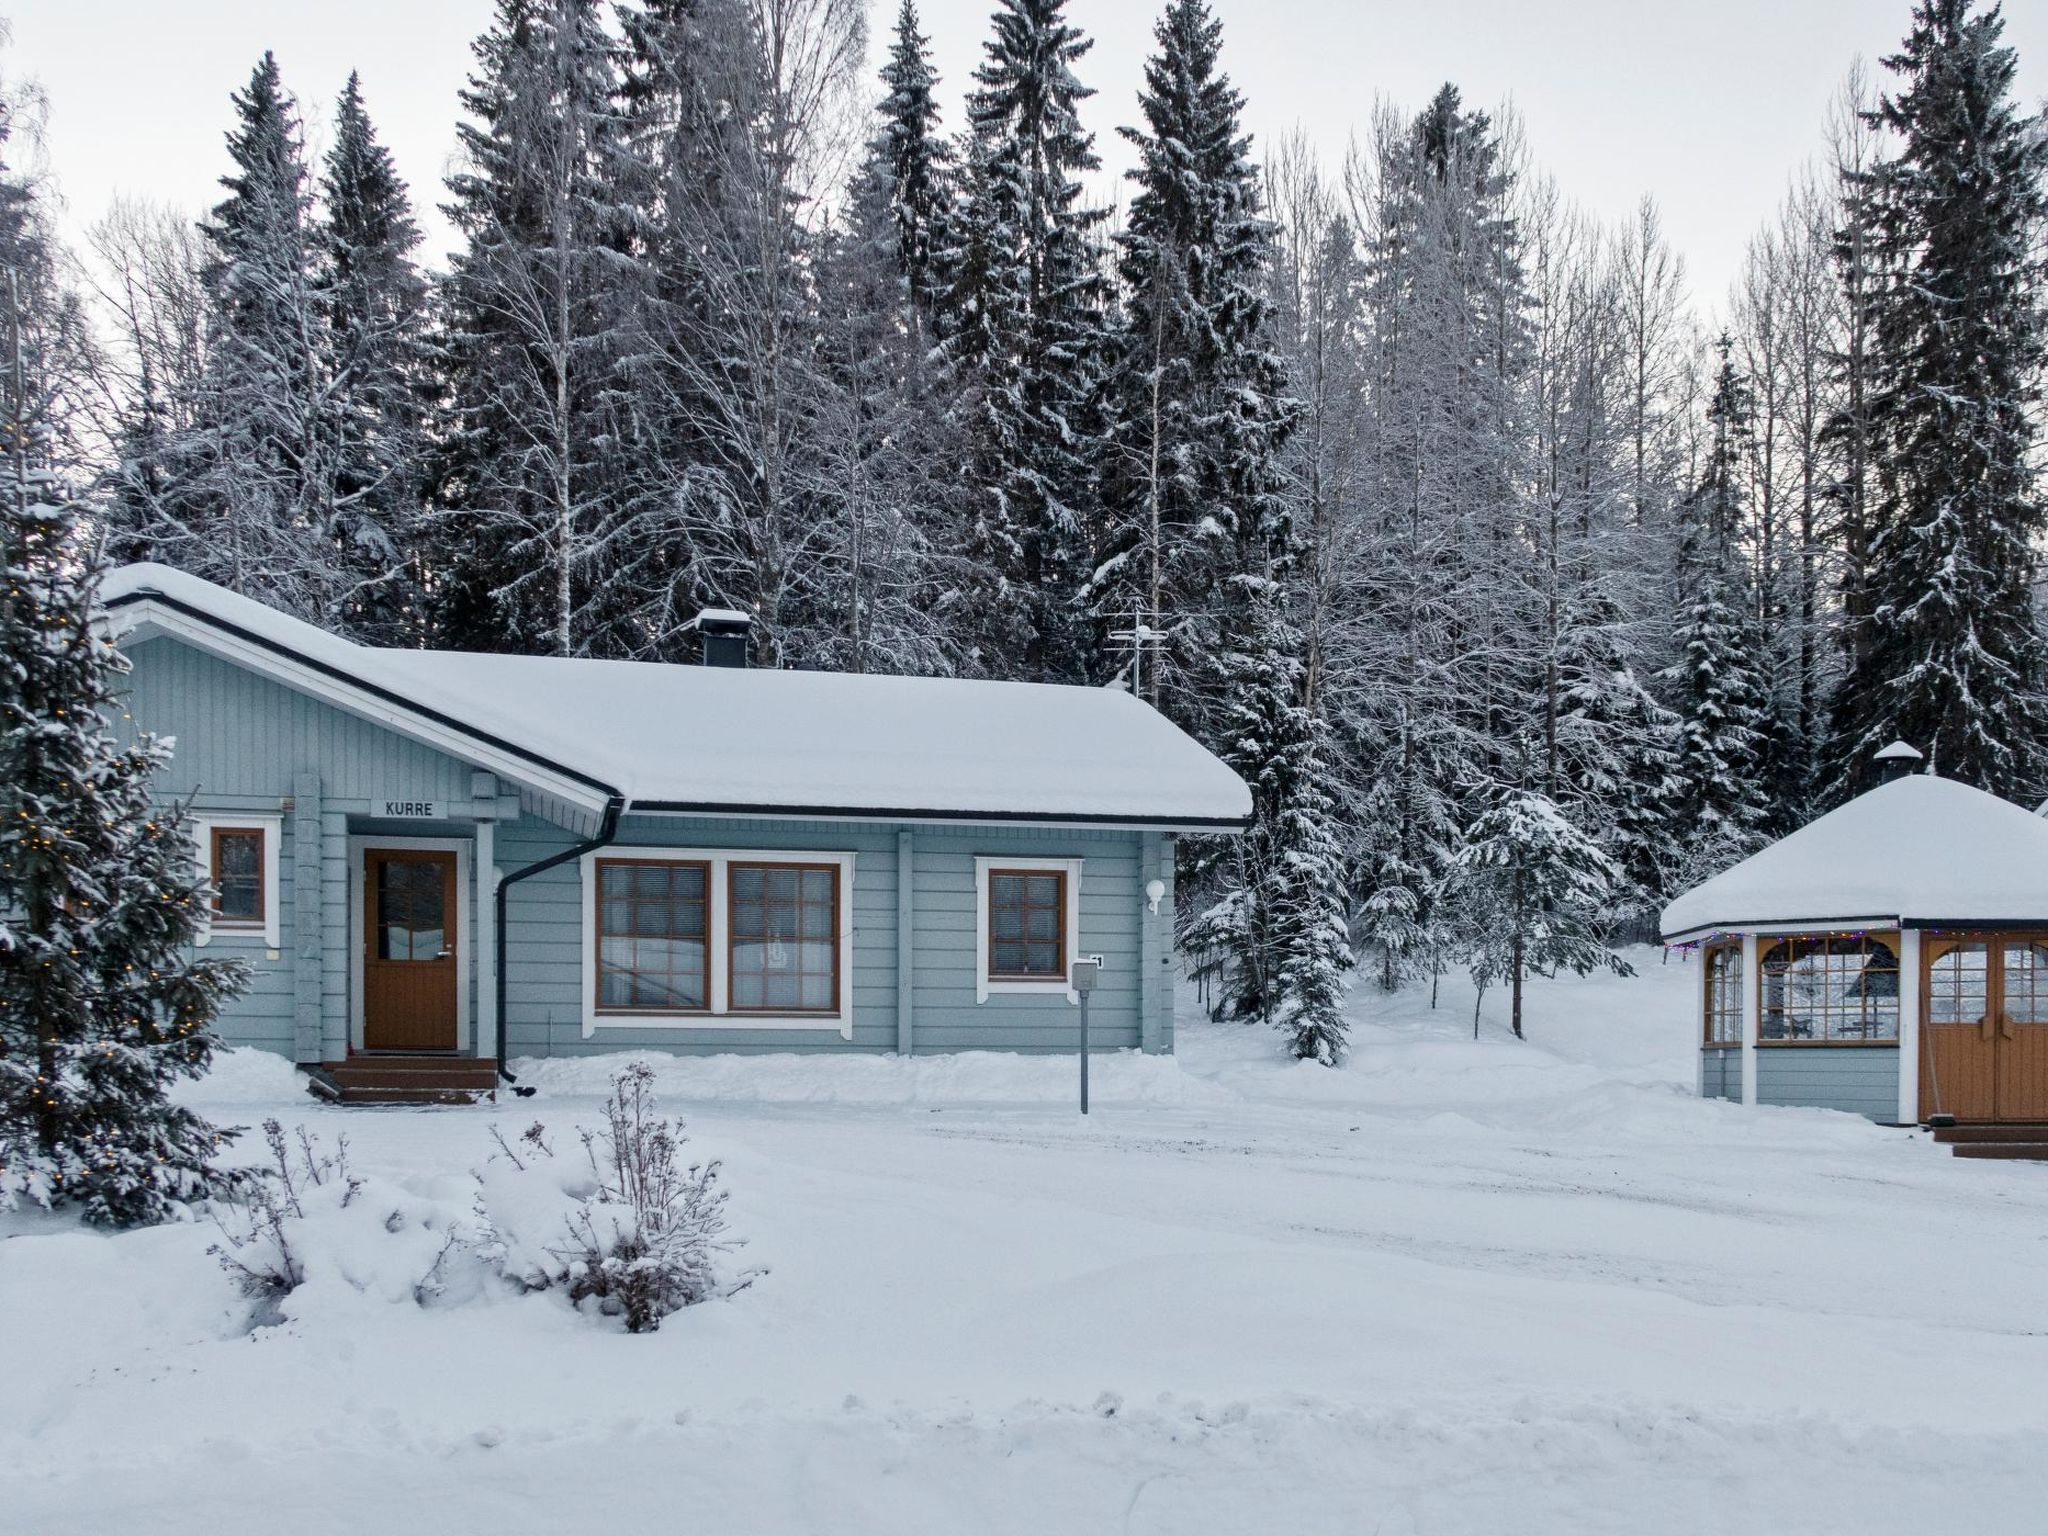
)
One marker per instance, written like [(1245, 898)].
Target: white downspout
[(1909, 1026)]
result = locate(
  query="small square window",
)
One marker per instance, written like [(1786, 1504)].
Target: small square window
[(236, 871), (1027, 925)]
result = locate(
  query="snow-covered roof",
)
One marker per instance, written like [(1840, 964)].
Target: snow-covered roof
[(669, 737), (1919, 849)]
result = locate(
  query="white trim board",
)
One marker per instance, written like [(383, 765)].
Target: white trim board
[(984, 988), (720, 1017), (465, 936), (271, 934)]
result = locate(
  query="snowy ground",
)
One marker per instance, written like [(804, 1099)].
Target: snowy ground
[(1454, 1287)]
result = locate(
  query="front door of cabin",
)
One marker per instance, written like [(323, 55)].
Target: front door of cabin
[(1984, 1052), (409, 950)]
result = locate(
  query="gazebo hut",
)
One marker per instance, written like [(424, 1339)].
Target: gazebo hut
[(1804, 946)]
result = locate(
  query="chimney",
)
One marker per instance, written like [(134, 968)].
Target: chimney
[(725, 633), (1896, 761)]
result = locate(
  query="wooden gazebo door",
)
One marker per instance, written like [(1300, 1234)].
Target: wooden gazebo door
[(2021, 1071), (1984, 1051)]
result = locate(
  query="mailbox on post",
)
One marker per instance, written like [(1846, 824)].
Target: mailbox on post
[(1087, 968)]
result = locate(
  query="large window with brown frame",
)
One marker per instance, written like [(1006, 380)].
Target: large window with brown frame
[(653, 935), (236, 864), (1831, 989), (1724, 993), (1027, 925), (783, 938)]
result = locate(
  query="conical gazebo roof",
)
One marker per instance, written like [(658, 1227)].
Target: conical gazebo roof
[(1919, 850)]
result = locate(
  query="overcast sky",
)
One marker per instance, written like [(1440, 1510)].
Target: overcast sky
[(1707, 105)]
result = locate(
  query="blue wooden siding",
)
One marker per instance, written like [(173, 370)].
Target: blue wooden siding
[(1721, 1073), (240, 734), (1864, 1080), (266, 1013), (245, 743), (545, 939)]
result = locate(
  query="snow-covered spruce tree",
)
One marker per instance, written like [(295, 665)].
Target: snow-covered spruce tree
[(1951, 658), (529, 479), (101, 1006), (883, 454), (912, 164), (1434, 690), (1279, 922), (1200, 411), (250, 493), (1530, 890), (1025, 323), (1717, 808), (373, 303)]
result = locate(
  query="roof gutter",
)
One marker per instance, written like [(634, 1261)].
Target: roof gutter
[(607, 830), (1112, 819)]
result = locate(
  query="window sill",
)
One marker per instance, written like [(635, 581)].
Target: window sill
[(832, 1023), (1056, 987), (238, 933)]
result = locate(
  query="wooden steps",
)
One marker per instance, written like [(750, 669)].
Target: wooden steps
[(2011, 1142), (410, 1077)]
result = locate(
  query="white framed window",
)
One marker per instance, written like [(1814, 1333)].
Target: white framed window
[(1027, 926), (717, 938), (237, 855)]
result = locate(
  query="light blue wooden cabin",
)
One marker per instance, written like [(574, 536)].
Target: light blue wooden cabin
[(436, 862)]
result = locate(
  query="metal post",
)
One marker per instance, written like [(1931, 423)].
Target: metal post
[(1086, 969)]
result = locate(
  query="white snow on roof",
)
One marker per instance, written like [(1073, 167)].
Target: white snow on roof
[(1919, 848), (773, 740)]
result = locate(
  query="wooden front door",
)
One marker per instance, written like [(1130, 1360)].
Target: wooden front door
[(409, 950), (1984, 1055)]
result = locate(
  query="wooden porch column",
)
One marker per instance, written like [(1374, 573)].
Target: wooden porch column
[(906, 968), (1151, 977), (1752, 1012), (483, 1029), (1910, 984), (308, 939), (1699, 1021)]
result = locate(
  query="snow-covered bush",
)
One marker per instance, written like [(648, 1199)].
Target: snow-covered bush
[(263, 1208), (630, 1228)]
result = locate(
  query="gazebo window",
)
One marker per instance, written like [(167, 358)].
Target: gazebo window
[(1831, 989), (1724, 994)]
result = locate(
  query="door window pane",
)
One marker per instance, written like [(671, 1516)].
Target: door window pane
[(238, 874), (1958, 985), (1027, 915), (2025, 986), (653, 936), (785, 938), (411, 909)]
